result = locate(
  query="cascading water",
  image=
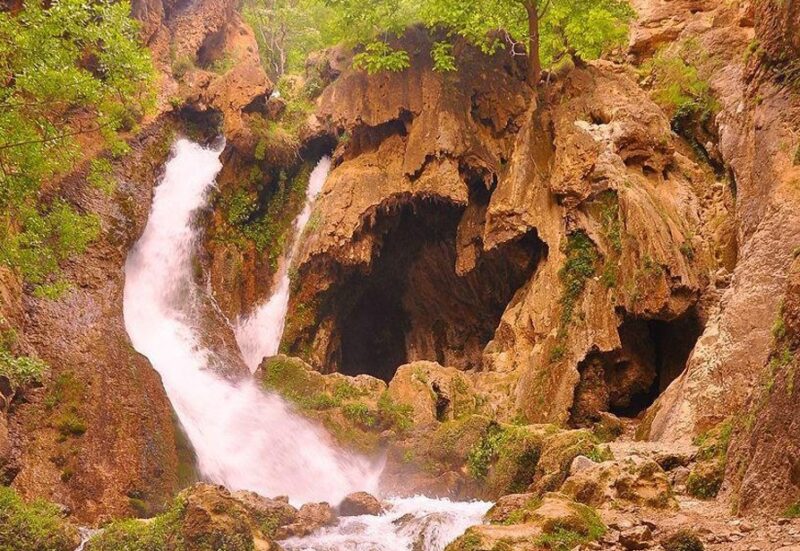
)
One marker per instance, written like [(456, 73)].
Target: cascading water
[(259, 335), (245, 438)]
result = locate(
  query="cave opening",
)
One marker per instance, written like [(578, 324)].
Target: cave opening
[(412, 304), (626, 382)]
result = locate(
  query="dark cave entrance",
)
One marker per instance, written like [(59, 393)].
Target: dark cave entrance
[(412, 305), (626, 382)]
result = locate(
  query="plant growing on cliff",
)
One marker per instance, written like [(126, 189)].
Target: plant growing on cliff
[(59, 79), (547, 30), (580, 264), (679, 89)]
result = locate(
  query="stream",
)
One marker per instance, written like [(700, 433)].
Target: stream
[(244, 437)]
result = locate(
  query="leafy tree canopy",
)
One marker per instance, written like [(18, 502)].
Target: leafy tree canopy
[(67, 67), (546, 29)]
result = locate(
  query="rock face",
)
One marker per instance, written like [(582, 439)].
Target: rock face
[(758, 143), (553, 250), (98, 436), (764, 465)]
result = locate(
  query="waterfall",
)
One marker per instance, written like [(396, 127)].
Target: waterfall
[(259, 335), (244, 438)]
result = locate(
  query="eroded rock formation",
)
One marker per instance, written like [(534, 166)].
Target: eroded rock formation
[(469, 225)]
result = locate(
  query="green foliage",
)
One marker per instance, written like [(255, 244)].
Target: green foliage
[(265, 221), (160, 534), (101, 175), (706, 478), (379, 56), (485, 452), (69, 423), (181, 66), (680, 90), (288, 30), (565, 534), (442, 55), (65, 400), (506, 457), (682, 540), (35, 526), (361, 414), (21, 370), (580, 264), (56, 63), (581, 28), (393, 414), (793, 511)]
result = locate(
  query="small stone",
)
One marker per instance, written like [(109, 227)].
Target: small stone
[(581, 463), (623, 524), (784, 521), (746, 526), (636, 538)]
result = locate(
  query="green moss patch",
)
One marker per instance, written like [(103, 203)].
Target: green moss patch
[(706, 477), (580, 264)]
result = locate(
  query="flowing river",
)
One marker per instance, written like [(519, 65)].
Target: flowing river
[(245, 438)]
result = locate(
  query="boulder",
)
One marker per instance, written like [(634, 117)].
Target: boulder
[(310, 517), (523, 522), (635, 480), (360, 503), (636, 538), (204, 517)]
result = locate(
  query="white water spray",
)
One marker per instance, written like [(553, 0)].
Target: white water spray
[(244, 438), (416, 523), (259, 335)]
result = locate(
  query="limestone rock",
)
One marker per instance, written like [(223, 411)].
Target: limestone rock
[(310, 517), (519, 521), (360, 503), (639, 537), (637, 481), (204, 517)]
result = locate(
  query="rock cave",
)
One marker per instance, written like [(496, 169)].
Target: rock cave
[(412, 304), (628, 380)]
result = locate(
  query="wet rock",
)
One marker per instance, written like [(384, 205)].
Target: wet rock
[(517, 521), (203, 517), (310, 517), (360, 503)]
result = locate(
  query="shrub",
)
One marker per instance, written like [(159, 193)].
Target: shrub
[(682, 540), (35, 526), (360, 413), (392, 414), (162, 533), (21, 370)]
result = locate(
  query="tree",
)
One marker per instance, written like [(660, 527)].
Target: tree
[(545, 30), (67, 68), (287, 31)]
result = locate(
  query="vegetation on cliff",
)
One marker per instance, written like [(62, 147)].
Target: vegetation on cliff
[(547, 31), (62, 84), (36, 526)]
